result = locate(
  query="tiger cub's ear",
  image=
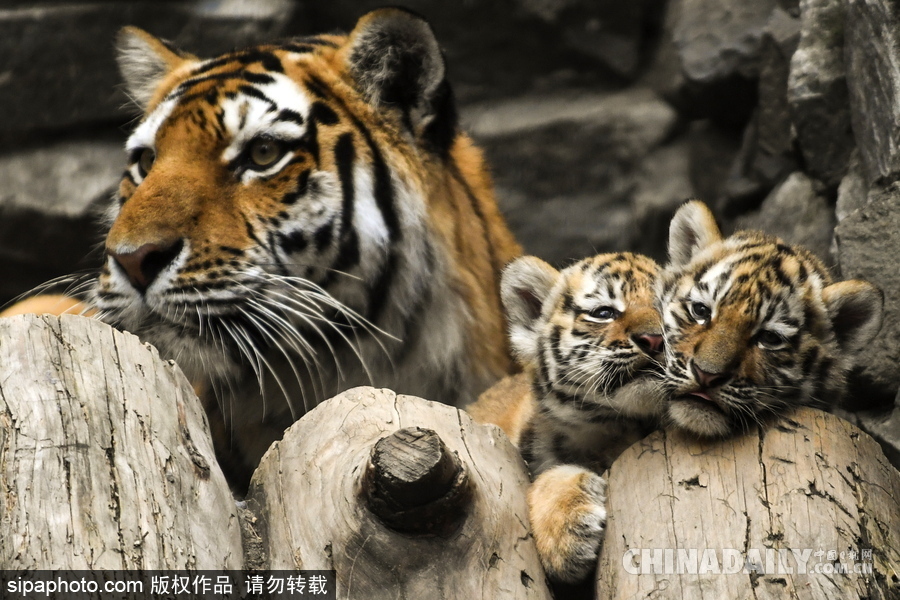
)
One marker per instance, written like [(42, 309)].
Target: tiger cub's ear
[(396, 62), (524, 287), (144, 61), (692, 230), (856, 309)]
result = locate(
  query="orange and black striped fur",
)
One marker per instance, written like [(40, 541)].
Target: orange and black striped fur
[(587, 338), (753, 326), (300, 218)]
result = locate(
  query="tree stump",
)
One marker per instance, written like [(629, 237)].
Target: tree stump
[(106, 463), (810, 482), (105, 455), (402, 497), (414, 484)]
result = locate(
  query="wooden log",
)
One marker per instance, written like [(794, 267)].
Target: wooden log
[(402, 497), (810, 482), (105, 456), (414, 484)]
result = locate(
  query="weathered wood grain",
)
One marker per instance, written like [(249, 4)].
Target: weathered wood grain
[(105, 456), (810, 482), (310, 509), (415, 484)]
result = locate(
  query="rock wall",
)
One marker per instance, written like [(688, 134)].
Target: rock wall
[(599, 117)]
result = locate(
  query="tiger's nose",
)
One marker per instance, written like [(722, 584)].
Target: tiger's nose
[(650, 343), (145, 264), (709, 380)]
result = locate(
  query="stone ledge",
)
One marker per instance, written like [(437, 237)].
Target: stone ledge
[(59, 65)]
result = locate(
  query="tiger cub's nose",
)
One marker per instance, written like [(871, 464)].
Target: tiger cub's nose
[(144, 264), (650, 343), (709, 380)]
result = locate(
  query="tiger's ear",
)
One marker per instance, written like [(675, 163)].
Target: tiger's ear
[(692, 230), (856, 309), (525, 285), (144, 62), (395, 61)]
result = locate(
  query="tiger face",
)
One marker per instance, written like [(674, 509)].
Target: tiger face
[(235, 192), (302, 217), (589, 336), (589, 330), (753, 326)]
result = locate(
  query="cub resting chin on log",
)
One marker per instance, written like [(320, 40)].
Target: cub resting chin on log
[(753, 329)]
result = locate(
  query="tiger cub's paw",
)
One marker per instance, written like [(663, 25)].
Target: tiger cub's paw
[(568, 518)]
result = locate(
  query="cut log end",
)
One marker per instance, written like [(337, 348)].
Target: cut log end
[(414, 484)]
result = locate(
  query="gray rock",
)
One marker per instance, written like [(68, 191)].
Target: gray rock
[(58, 64), (868, 246), (712, 152), (720, 38), (792, 7), (852, 194), (719, 43), (633, 120), (796, 214), (567, 167), (872, 37), (884, 426), (493, 49), (780, 39), (563, 229), (49, 206), (853, 190), (753, 174), (663, 73), (767, 150), (608, 30), (664, 183), (817, 91)]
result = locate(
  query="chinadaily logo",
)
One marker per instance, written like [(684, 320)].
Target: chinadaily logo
[(726, 561)]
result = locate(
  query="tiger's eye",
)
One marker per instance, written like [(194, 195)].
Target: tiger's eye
[(602, 313), (145, 161), (771, 340), (265, 152), (700, 312)]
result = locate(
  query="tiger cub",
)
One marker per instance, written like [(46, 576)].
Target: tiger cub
[(587, 338), (753, 326), (299, 218)]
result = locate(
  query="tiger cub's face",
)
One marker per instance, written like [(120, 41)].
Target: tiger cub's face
[(590, 333), (753, 326)]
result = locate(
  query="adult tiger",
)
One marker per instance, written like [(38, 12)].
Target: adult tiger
[(304, 217)]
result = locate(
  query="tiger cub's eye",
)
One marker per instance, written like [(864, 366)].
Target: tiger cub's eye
[(771, 340), (700, 312), (265, 152), (145, 161), (601, 314)]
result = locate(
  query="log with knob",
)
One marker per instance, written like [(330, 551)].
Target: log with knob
[(414, 484)]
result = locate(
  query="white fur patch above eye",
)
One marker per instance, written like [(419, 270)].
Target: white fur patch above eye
[(593, 293), (145, 134), (247, 117), (783, 329)]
